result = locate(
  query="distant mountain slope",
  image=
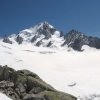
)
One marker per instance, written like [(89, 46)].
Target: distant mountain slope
[(77, 39), (45, 35)]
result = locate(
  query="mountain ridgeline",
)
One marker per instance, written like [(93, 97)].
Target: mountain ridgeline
[(46, 35)]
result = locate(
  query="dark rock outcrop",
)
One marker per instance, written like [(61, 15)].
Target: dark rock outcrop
[(25, 85), (6, 40), (49, 44), (76, 40), (19, 39), (33, 39), (94, 42)]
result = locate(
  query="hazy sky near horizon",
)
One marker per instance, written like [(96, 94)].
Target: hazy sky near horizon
[(82, 15)]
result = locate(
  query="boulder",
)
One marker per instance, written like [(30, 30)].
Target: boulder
[(25, 85)]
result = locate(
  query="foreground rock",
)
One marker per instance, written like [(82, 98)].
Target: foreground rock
[(25, 85)]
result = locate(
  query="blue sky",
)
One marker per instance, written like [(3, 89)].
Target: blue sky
[(82, 15)]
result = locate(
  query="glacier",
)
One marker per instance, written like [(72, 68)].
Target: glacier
[(73, 72)]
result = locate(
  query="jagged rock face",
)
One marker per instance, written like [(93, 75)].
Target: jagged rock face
[(46, 35), (46, 30), (77, 39), (73, 35), (25, 85), (19, 39), (94, 42)]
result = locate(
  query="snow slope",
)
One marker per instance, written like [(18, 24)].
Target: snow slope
[(73, 72), (4, 97)]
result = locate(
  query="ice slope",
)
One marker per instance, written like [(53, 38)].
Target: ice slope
[(73, 72)]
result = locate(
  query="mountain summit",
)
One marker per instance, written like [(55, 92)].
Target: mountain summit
[(42, 34), (46, 35)]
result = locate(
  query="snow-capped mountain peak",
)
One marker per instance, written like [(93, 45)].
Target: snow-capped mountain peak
[(41, 26), (46, 35), (42, 34)]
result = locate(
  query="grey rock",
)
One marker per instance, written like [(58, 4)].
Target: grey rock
[(36, 90), (19, 39), (77, 39), (33, 39), (39, 43), (33, 97), (5, 84), (5, 73), (49, 44), (7, 40), (48, 97), (25, 85)]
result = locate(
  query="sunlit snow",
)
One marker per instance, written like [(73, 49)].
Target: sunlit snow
[(73, 72), (4, 97)]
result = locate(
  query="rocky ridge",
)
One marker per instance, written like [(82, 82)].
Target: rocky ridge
[(25, 85)]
